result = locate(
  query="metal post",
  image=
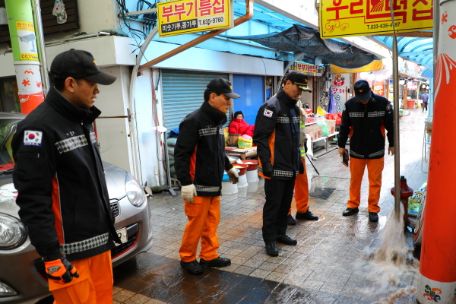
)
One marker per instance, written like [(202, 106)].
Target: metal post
[(25, 53), (41, 45), (397, 167)]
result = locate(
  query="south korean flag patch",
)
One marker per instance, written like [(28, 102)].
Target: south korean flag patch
[(268, 113), (33, 138)]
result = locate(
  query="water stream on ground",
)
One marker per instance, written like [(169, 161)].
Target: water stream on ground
[(390, 268)]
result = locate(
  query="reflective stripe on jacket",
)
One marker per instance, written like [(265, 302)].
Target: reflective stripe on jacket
[(365, 125), (277, 136)]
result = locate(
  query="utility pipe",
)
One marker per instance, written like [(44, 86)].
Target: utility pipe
[(397, 165), (41, 45), (134, 74), (248, 15)]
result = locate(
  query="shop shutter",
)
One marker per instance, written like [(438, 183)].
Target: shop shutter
[(183, 92)]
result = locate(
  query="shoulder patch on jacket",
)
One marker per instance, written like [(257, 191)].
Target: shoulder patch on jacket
[(33, 138), (268, 113)]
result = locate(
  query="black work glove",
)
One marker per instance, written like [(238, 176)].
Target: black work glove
[(305, 146), (267, 170), (301, 167), (58, 268)]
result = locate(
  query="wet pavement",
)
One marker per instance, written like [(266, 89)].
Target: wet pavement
[(328, 265)]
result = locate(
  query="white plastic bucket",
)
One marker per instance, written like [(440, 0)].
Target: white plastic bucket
[(243, 181), (252, 176), (229, 188)]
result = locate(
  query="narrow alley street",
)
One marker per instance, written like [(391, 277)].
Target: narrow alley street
[(330, 263)]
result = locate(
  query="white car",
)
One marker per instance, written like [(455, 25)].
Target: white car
[(20, 282)]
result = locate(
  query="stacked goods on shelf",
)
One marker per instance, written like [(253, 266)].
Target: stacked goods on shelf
[(331, 124), (171, 144), (312, 130)]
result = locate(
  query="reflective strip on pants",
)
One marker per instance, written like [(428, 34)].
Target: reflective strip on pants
[(374, 169), (94, 285), (203, 219)]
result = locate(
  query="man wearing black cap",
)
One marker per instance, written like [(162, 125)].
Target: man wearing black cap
[(62, 191), (200, 160), (364, 119), (277, 137)]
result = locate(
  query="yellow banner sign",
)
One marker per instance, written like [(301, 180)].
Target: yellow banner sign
[(308, 69), (191, 16), (342, 18)]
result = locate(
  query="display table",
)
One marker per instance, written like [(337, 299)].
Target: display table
[(326, 140), (241, 153)]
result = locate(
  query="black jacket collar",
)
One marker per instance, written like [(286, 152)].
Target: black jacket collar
[(217, 117), (57, 101), (283, 97)]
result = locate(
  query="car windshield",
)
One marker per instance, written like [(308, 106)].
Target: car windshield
[(7, 129)]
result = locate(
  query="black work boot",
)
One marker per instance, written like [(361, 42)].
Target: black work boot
[(285, 239), (373, 217), (308, 215), (350, 211), (290, 220), (271, 248), (192, 267), (217, 262)]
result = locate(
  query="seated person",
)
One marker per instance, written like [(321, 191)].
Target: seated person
[(239, 126)]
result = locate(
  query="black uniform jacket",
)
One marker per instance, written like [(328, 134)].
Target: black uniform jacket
[(199, 154), (277, 136), (365, 125), (59, 176)]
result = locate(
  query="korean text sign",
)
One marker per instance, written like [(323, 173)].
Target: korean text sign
[(191, 16), (308, 69), (341, 18)]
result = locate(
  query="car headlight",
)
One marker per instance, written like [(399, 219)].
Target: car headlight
[(12, 232), (134, 191)]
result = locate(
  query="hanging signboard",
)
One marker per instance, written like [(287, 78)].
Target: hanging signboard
[(308, 69), (342, 18), (192, 16)]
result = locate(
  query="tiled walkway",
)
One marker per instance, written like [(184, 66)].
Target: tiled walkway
[(329, 265)]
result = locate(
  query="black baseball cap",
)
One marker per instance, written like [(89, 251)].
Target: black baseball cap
[(220, 85), (79, 64), (362, 90), (299, 79)]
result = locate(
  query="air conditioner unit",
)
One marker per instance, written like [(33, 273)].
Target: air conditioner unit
[(3, 16)]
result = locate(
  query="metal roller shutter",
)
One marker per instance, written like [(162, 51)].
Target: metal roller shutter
[(183, 92)]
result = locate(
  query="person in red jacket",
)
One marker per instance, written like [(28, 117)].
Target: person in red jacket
[(239, 126)]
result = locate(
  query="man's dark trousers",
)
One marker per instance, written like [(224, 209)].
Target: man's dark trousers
[(279, 194)]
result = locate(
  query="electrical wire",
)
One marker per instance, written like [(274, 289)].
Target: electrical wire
[(149, 20)]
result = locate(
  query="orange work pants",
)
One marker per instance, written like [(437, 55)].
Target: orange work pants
[(203, 219), (301, 191), (94, 285), (374, 169)]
